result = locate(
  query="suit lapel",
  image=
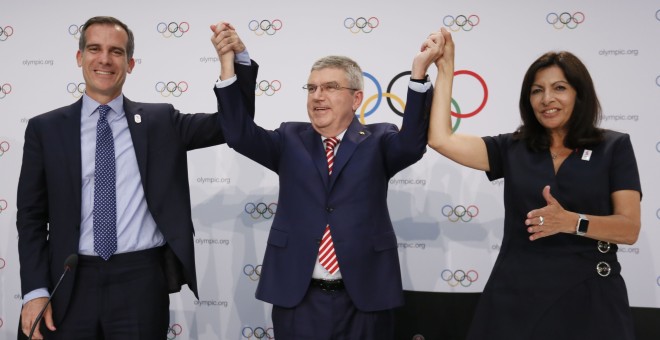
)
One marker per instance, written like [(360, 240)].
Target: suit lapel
[(355, 134), (138, 122), (312, 141), (70, 131)]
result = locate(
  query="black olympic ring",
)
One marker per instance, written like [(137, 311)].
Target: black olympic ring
[(5, 90), (459, 276), (4, 147), (174, 331), (1, 323), (461, 21), (460, 212), (173, 29), (171, 88), (2, 263), (261, 210), (265, 26), (76, 90), (250, 271), (389, 90), (258, 332), (565, 19), (6, 32), (361, 24), (269, 88), (3, 205), (74, 30)]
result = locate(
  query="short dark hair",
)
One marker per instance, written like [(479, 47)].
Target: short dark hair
[(582, 129), (104, 20)]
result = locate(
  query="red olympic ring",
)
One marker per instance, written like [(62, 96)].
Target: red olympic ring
[(483, 102)]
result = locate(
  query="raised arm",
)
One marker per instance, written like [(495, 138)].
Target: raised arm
[(464, 149)]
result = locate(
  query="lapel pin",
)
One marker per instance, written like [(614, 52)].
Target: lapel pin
[(138, 119), (586, 155), (361, 133)]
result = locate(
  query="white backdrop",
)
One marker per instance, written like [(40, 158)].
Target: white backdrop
[(617, 40)]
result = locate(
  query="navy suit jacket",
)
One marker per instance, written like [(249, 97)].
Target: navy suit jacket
[(49, 188), (353, 201)]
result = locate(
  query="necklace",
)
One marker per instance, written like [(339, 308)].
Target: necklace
[(553, 155)]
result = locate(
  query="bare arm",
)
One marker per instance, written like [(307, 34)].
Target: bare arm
[(464, 149)]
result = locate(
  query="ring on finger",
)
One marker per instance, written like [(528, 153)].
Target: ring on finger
[(541, 220)]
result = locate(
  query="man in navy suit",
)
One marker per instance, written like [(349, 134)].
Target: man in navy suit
[(331, 267), (124, 294)]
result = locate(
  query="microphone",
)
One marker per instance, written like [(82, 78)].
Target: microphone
[(69, 264)]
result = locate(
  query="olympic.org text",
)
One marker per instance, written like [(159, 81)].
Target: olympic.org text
[(213, 180), (205, 60), (623, 250), (211, 303), (38, 62), (212, 241), (403, 245), (617, 53), (617, 118), (397, 181)]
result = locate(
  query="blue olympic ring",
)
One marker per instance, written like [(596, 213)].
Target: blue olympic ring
[(171, 88), (269, 88), (174, 331), (380, 94), (265, 26), (565, 19), (5, 89), (461, 21), (75, 30), (253, 272), (657, 80), (6, 32), (173, 29), (459, 276), (460, 212), (76, 90), (4, 147), (258, 332), (261, 209), (361, 24)]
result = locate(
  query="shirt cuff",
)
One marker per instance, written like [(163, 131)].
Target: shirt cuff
[(418, 87), (37, 293), (243, 58), (224, 83)]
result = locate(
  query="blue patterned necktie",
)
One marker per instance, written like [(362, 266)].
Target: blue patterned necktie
[(105, 192)]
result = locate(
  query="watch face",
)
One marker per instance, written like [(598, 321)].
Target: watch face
[(583, 225)]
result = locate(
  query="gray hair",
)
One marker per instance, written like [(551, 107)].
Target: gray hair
[(348, 65)]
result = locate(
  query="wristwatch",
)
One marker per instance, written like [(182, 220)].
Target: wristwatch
[(582, 225)]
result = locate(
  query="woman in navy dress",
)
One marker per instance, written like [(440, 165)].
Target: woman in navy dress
[(572, 193)]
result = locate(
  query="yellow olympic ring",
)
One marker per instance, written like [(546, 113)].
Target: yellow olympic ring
[(374, 97)]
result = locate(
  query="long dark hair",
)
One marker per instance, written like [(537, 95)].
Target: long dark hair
[(582, 129)]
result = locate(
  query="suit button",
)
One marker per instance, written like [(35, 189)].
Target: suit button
[(329, 209)]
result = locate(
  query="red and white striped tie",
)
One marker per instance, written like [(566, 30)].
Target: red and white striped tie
[(327, 255)]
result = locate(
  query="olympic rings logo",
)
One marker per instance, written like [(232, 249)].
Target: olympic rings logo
[(269, 88), (171, 88), (461, 22), (253, 272), (361, 24), (75, 30), (389, 96), (174, 331), (3, 263), (265, 26), (261, 210), (3, 205), (657, 15), (460, 212), (6, 32), (173, 29), (4, 147), (5, 89), (258, 332), (459, 276), (76, 90), (565, 19)]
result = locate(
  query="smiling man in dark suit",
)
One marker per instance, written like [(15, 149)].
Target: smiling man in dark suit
[(107, 178)]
